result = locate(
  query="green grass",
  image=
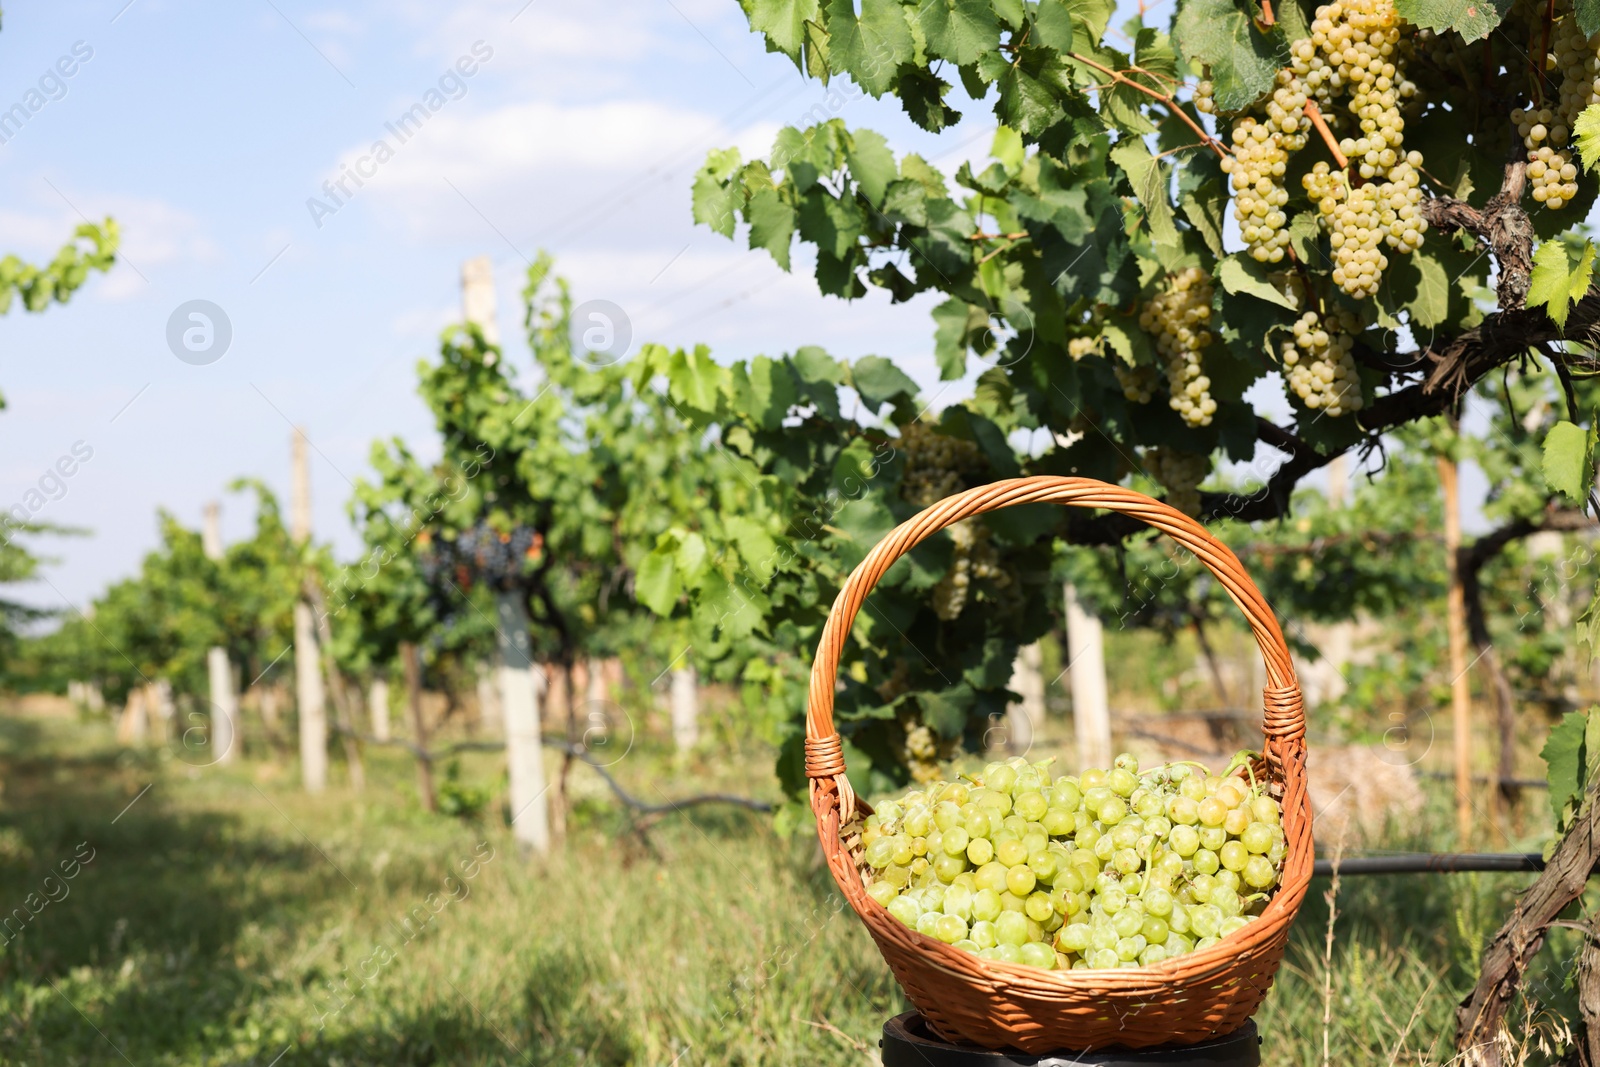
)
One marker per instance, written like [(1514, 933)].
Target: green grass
[(226, 918)]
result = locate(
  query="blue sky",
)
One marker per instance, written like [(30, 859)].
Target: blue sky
[(205, 129)]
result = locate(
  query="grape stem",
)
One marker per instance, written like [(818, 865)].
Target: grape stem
[(1172, 105), (1314, 113), (1266, 14)]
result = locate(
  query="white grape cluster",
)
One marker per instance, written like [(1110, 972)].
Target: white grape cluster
[(1319, 365), (1257, 165), (1177, 319), (1108, 869), (1078, 347), (1138, 383), (1546, 131), (934, 464), (975, 559), (1356, 47), (1205, 100), (924, 750), (1180, 473)]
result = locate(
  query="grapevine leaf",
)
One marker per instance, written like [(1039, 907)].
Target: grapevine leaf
[(879, 381), (1128, 341), (1472, 19), (1303, 236), (715, 197), (1244, 61), (959, 30), (1149, 183), (1588, 12), (870, 48), (1052, 25), (1556, 282), (1589, 624), (946, 711), (1431, 306), (782, 22), (657, 585), (755, 544), (817, 52), (1203, 208), (1565, 763), (771, 225), (954, 323), (1569, 460), (766, 391), (695, 380), (1093, 16), (871, 164), (1239, 275), (1587, 131)]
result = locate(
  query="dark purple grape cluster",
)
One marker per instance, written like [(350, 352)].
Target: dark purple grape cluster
[(480, 554)]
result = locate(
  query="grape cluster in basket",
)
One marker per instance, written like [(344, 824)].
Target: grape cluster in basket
[(1117, 868)]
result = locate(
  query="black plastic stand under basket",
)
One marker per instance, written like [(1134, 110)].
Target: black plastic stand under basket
[(907, 1042)]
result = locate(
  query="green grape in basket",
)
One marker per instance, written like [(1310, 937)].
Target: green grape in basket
[(1105, 869)]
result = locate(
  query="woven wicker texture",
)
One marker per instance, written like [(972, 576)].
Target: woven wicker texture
[(1191, 998)]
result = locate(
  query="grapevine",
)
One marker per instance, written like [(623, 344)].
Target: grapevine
[(1108, 869), (1177, 318)]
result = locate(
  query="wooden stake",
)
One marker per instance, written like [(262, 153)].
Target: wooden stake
[(1456, 624), (411, 667)]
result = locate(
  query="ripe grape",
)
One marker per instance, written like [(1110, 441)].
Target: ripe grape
[(1135, 866), (1318, 363), (1177, 318), (1180, 473)]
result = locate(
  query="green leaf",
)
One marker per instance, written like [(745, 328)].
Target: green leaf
[(1007, 149), (1569, 460), (1244, 61), (694, 380), (871, 164), (771, 225), (959, 30), (1589, 624), (1587, 134), (1149, 183), (955, 322), (782, 22), (1052, 25), (1566, 763), (715, 197), (1472, 19), (1557, 282), (879, 381), (1092, 16), (1243, 275), (657, 585), (870, 48), (1588, 12), (1431, 306), (755, 544)]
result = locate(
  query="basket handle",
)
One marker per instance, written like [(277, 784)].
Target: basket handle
[(1284, 723)]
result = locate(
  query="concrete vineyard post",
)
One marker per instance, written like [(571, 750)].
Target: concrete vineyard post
[(685, 708), (1025, 718), (378, 708), (1456, 624), (225, 741), (520, 687), (1086, 674), (307, 661)]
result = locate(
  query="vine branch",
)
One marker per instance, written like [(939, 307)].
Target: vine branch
[(1172, 105)]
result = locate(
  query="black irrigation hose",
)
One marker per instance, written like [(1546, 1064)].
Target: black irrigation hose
[(582, 754), (1433, 863)]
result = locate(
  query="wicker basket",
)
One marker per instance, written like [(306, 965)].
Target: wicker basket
[(1185, 1000)]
